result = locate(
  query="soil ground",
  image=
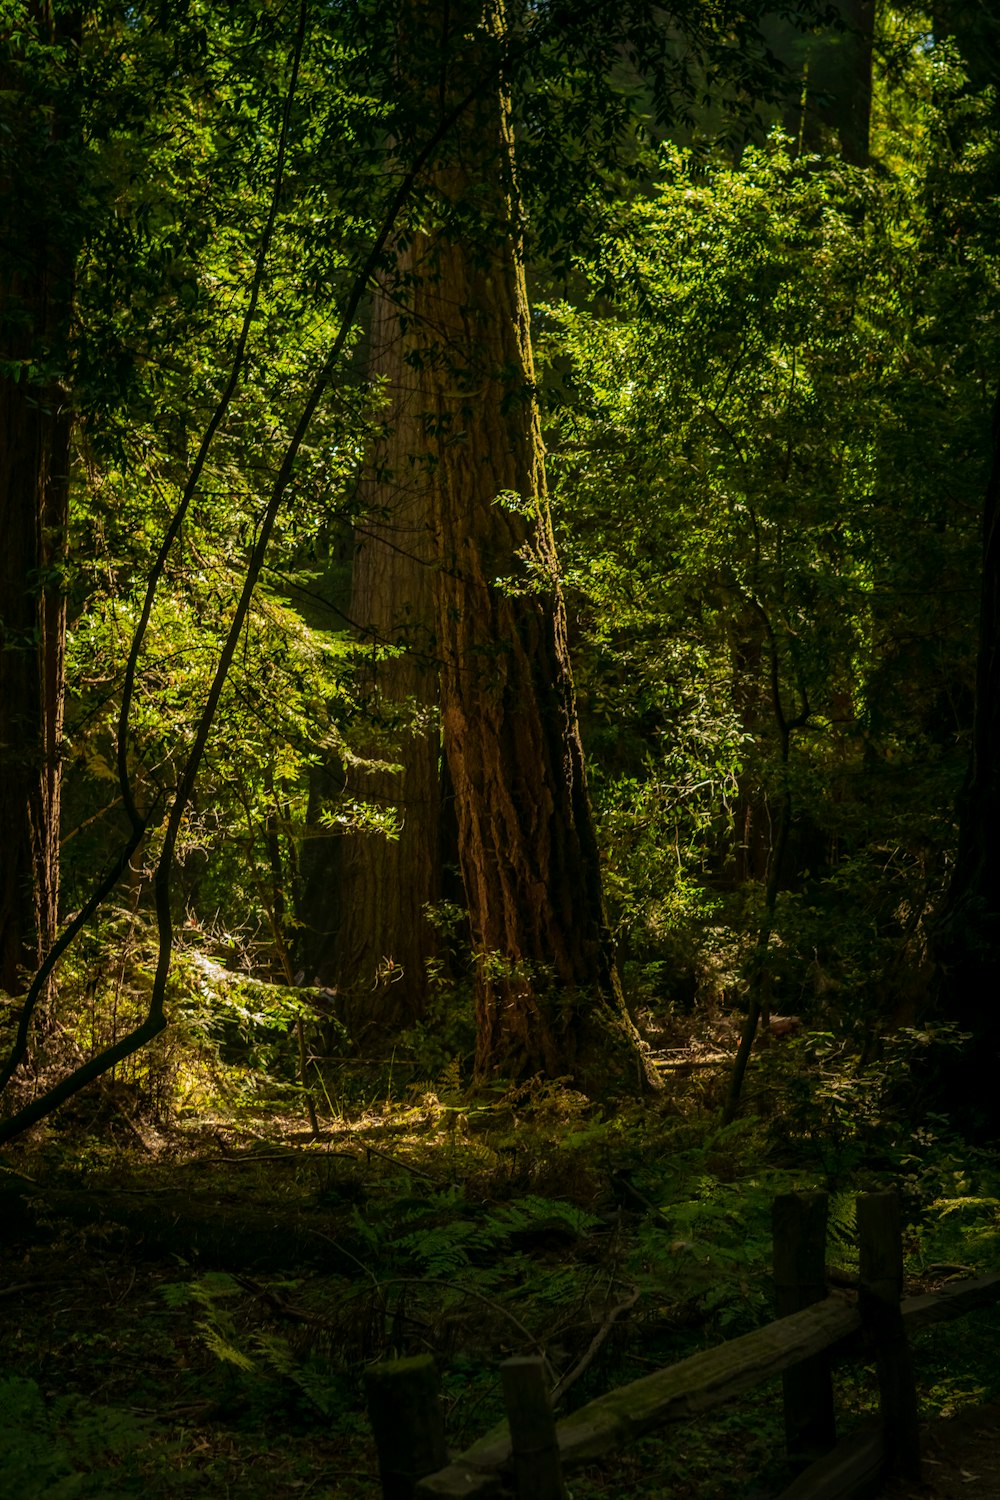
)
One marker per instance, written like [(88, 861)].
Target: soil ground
[(961, 1457)]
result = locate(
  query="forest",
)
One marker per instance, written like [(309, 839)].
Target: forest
[(499, 725)]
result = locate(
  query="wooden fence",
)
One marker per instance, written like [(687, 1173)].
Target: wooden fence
[(528, 1454)]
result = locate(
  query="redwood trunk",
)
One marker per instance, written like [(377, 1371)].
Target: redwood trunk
[(967, 938), (830, 80), (35, 300), (547, 992), (34, 464), (386, 884)]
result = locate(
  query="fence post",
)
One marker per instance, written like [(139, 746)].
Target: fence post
[(533, 1441), (880, 1289), (407, 1422), (798, 1223)]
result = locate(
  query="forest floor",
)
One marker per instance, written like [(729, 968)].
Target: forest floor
[(189, 1309), (961, 1459)]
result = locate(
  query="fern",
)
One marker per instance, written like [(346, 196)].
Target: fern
[(442, 1249), (217, 1328), (945, 1208), (312, 1376), (218, 1336), (842, 1230), (65, 1449), (529, 1212)]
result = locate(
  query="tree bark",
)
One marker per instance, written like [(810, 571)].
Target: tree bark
[(966, 942), (36, 270), (975, 27), (832, 71), (386, 884), (548, 997)]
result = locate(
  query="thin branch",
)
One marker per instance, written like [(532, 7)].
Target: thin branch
[(140, 823), (201, 457), (587, 1358), (31, 1113), (468, 1291), (101, 812), (396, 1161)]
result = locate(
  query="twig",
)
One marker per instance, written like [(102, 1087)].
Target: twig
[(562, 1386), (142, 1191), (692, 1062), (343, 1251), (133, 1127), (469, 1291), (285, 1309), (629, 1189), (178, 1413), (13, 1172), (297, 1315), (398, 1162), (292, 1154), (21, 1286), (313, 1148)]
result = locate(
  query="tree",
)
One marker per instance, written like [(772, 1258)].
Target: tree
[(975, 28), (39, 162), (781, 421), (144, 788), (508, 715), (836, 96), (967, 935), (466, 419), (514, 751), (966, 931), (389, 876)]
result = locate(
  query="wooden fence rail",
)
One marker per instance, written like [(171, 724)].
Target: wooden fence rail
[(527, 1455)]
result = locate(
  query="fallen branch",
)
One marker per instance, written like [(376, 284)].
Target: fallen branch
[(398, 1162), (21, 1286), (562, 1386), (283, 1308), (468, 1291)]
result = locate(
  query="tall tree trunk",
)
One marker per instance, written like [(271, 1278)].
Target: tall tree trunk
[(386, 883), (35, 301), (547, 991), (830, 104), (752, 822), (967, 939), (975, 26)]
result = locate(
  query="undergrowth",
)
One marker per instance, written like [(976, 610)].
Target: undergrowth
[(427, 1218), (471, 1227)]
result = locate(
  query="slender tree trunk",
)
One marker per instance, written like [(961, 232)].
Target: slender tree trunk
[(35, 302), (967, 939), (758, 977), (547, 990), (752, 822), (975, 26), (831, 104), (34, 464), (387, 883)]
